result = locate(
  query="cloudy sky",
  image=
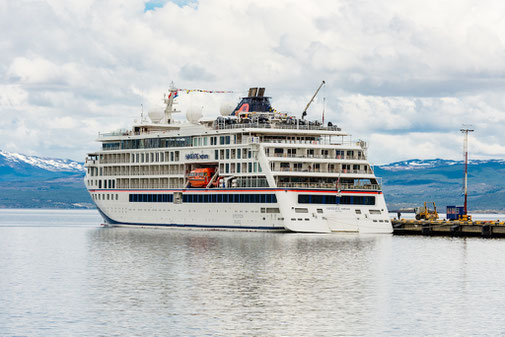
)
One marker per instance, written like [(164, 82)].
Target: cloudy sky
[(404, 75)]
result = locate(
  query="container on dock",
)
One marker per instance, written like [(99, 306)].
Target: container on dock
[(455, 212)]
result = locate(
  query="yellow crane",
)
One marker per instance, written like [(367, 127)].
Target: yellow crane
[(425, 213)]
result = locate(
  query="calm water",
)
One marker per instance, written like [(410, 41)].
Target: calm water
[(62, 275)]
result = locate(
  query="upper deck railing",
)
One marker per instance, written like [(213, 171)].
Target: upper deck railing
[(341, 187), (224, 126)]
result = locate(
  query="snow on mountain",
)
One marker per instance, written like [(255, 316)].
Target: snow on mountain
[(49, 164), (415, 164)]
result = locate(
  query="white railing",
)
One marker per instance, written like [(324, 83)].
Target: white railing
[(220, 126), (287, 155), (347, 142), (341, 187), (295, 169)]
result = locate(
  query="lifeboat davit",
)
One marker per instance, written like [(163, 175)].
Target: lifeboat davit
[(201, 177)]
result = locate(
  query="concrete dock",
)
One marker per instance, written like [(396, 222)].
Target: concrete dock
[(486, 229)]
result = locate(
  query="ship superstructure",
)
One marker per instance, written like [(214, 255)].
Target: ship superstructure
[(252, 168)]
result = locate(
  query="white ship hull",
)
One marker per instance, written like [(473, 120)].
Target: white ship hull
[(252, 168), (286, 214)]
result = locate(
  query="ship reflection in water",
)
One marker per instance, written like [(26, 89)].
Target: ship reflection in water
[(84, 280)]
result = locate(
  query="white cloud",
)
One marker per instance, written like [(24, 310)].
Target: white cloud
[(402, 74)]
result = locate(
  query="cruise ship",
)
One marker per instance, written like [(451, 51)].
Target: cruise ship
[(251, 168)]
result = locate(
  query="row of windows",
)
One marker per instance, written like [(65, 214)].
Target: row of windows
[(154, 157), (152, 143), (230, 198), (105, 196), (233, 153), (333, 199), (151, 198), (148, 143), (206, 198)]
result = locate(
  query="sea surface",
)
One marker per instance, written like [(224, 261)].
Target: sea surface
[(61, 274)]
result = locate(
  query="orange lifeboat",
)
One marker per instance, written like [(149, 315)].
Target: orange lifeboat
[(201, 177)]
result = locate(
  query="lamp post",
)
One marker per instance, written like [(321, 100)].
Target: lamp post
[(465, 150)]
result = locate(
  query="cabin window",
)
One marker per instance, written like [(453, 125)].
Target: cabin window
[(227, 153), (239, 151), (301, 210), (227, 168), (238, 168), (332, 199), (216, 154)]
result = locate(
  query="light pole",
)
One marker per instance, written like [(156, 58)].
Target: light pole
[(465, 150)]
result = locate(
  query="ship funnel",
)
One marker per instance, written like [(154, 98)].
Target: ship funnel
[(256, 92), (254, 102)]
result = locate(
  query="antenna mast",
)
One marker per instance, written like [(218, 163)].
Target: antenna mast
[(465, 151)]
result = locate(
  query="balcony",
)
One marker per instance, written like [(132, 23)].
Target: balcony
[(300, 156), (341, 187), (320, 170)]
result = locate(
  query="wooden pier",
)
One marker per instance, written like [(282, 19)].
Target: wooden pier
[(485, 229)]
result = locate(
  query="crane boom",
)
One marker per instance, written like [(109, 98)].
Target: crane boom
[(304, 113)]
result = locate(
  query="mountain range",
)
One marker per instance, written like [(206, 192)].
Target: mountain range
[(36, 182), (407, 184)]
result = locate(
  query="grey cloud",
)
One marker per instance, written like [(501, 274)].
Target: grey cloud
[(193, 72), (394, 70)]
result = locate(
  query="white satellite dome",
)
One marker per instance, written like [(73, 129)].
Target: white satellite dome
[(194, 114), (226, 109), (156, 114)]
